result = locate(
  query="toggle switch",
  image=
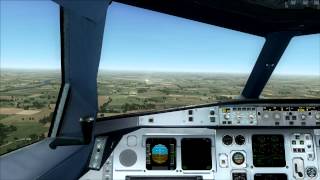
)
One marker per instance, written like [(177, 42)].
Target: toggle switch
[(298, 168)]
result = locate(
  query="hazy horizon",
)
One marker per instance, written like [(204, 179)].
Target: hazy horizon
[(104, 71)]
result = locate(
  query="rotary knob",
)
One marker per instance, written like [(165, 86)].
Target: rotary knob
[(265, 115), (226, 116), (311, 172), (277, 116), (317, 116), (303, 116)]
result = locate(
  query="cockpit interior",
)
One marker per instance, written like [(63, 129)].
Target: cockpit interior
[(239, 98)]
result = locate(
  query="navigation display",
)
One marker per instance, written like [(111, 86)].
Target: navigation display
[(196, 154), (161, 154), (268, 151)]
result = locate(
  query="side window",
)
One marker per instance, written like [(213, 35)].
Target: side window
[(30, 71)]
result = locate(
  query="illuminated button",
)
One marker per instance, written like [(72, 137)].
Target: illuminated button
[(96, 157), (132, 141), (212, 119), (99, 145), (299, 150), (310, 157), (307, 136), (223, 160)]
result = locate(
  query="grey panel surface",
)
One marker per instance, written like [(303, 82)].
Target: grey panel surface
[(191, 117), (71, 168), (114, 125), (33, 161)]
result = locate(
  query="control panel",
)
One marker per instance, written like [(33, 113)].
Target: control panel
[(203, 153), (238, 115), (222, 141)]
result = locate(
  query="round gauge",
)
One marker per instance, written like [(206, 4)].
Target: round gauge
[(240, 140), (238, 158), (227, 140), (311, 172)]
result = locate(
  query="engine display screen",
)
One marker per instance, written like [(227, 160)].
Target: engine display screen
[(268, 151), (161, 154), (196, 154), (270, 177)]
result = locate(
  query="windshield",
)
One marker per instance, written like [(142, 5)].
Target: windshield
[(297, 74), (153, 61)]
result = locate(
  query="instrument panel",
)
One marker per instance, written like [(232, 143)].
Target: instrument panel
[(202, 153), (220, 142)]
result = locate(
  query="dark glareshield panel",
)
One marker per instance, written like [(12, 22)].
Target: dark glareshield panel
[(196, 154), (161, 154), (165, 178), (268, 150), (270, 177)]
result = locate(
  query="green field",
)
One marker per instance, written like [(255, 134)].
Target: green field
[(125, 92), (28, 97), (27, 100)]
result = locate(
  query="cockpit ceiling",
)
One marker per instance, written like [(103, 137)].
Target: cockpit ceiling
[(250, 16)]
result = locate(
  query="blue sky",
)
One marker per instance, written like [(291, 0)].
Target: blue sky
[(138, 39)]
